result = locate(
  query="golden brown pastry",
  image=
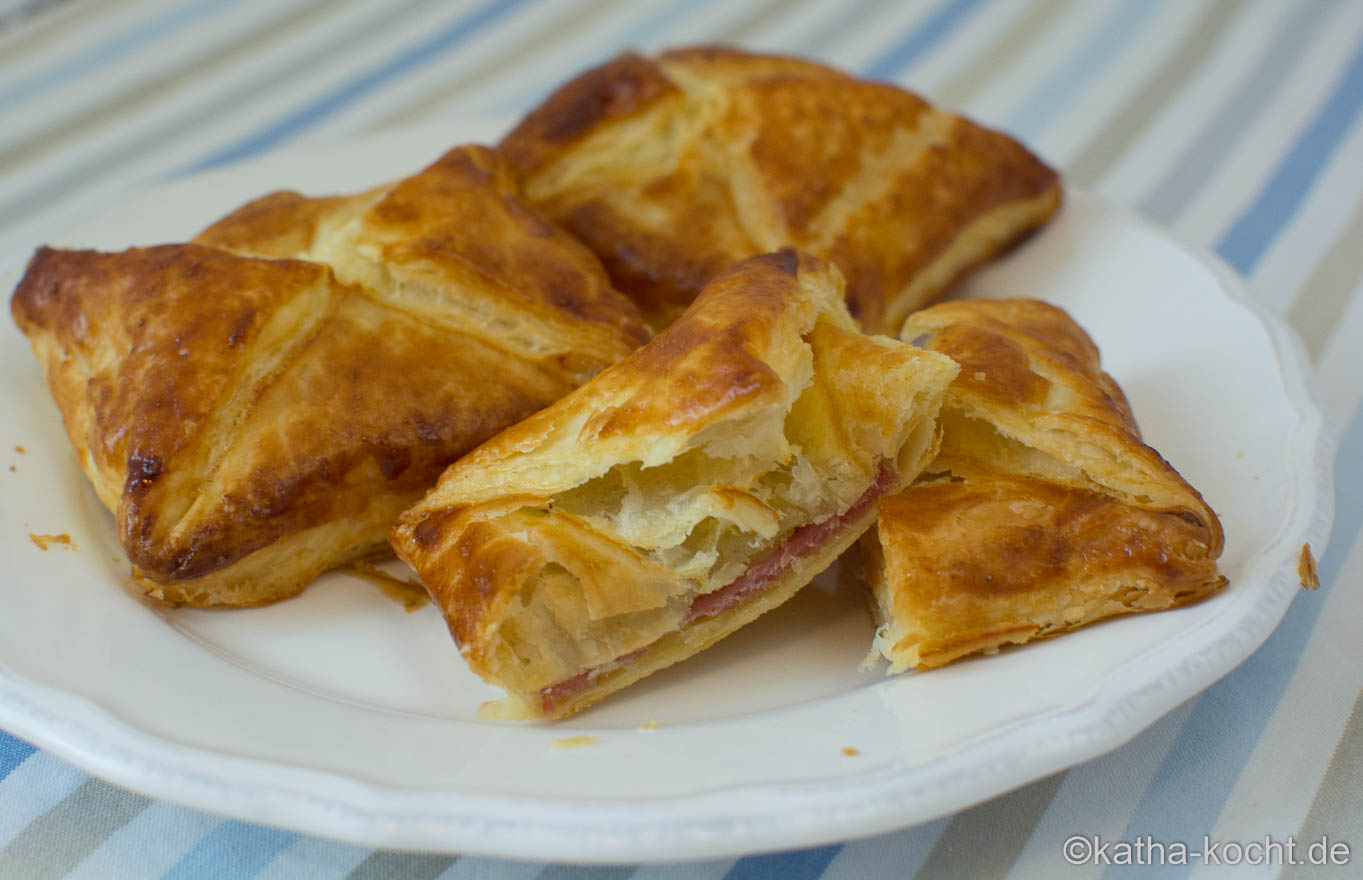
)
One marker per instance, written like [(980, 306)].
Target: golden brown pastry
[(671, 168), (678, 495), (455, 245), (1043, 511), (253, 422)]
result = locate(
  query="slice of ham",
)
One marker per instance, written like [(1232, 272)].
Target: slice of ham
[(803, 542)]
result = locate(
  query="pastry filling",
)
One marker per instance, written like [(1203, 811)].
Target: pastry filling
[(803, 542)]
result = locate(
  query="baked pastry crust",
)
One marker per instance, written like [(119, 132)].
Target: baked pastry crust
[(455, 244), (678, 495), (1044, 510), (673, 167), (252, 422)]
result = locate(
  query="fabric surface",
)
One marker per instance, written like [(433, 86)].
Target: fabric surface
[(1238, 124)]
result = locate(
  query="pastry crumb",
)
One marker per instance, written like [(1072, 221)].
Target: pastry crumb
[(46, 542), (21, 450), (1306, 569), (1239, 455), (508, 709), (574, 742), (651, 725), (850, 752)]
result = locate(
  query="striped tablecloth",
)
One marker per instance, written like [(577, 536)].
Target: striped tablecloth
[(1236, 123)]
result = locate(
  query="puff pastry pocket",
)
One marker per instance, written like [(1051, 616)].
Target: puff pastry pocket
[(252, 422), (455, 245), (1044, 510), (673, 167), (680, 494)]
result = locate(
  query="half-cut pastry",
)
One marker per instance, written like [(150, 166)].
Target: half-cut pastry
[(1043, 511), (253, 422), (671, 168), (678, 495)]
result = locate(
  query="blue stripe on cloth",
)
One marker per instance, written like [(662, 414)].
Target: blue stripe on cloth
[(107, 51), (1248, 239), (149, 845), (232, 851), (366, 81), (800, 864), (1188, 793), (1069, 79), (945, 19), (13, 751)]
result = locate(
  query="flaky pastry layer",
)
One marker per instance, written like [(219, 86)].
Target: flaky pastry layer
[(254, 420), (672, 167), (1043, 512), (699, 482)]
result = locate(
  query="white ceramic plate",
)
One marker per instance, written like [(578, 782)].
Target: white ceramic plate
[(340, 714)]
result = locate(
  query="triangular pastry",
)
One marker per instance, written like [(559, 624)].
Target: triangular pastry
[(252, 422), (672, 167), (1044, 510), (678, 495), (455, 245)]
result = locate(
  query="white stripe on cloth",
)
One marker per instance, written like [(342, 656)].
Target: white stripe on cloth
[(312, 858), (976, 31), (206, 113), (1289, 260), (673, 24), (474, 56), (531, 67), (33, 32), (148, 845), (898, 854), (199, 116), (1238, 180), (1117, 81), (683, 22), (1341, 363), (1005, 94), (1298, 741), (51, 76), (31, 789), (1179, 120), (801, 26), (874, 34), (473, 868), (1092, 61), (220, 24), (837, 33), (1090, 800), (711, 870)]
